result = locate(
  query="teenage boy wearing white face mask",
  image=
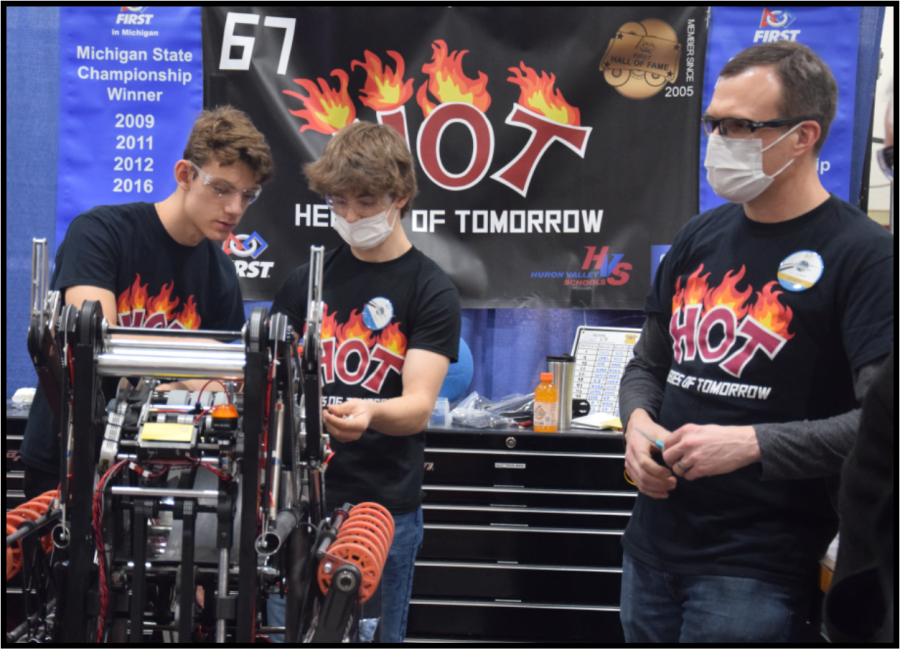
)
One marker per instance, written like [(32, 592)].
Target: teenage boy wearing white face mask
[(766, 323), (391, 329)]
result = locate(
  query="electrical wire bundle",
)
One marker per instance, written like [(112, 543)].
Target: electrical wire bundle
[(30, 511), (364, 539)]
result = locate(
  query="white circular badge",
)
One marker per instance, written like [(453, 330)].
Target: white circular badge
[(801, 270), (378, 312)]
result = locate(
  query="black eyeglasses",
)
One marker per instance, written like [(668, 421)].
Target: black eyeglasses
[(886, 161), (735, 127)]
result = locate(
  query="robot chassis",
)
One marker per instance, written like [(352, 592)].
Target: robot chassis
[(165, 492)]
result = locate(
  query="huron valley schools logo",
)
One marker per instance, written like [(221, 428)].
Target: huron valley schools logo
[(642, 58)]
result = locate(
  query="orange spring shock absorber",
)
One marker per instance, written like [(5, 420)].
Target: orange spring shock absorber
[(363, 540), (30, 511), (376, 509)]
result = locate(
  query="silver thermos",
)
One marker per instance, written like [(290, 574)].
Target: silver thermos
[(563, 369)]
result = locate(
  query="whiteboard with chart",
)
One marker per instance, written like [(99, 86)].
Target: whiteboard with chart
[(600, 357)]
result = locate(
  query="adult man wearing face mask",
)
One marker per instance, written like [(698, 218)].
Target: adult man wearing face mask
[(390, 330), (766, 323)]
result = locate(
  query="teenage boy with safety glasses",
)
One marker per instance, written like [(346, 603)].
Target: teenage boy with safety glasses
[(159, 264), (393, 323), (766, 322)]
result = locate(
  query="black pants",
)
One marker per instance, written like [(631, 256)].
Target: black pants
[(37, 481)]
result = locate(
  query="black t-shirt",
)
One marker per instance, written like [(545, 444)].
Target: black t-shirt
[(374, 313), (747, 350), (157, 283)]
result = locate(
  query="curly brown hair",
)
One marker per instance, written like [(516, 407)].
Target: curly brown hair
[(365, 158), (228, 136)]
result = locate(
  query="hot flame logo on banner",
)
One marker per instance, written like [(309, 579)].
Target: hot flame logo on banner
[(698, 308), (136, 308), (350, 348), (449, 96)]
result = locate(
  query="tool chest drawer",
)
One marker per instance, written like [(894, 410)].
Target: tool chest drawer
[(543, 623), (481, 495), (525, 516), (570, 585), (535, 469), (522, 538)]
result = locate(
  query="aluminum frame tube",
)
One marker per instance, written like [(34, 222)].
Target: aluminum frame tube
[(222, 592), (276, 460)]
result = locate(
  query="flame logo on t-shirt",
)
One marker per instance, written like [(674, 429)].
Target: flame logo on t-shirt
[(136, 308), (747, 324), (354, 354)]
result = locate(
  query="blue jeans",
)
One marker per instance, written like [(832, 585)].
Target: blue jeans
[(662, 607), (390, 602)]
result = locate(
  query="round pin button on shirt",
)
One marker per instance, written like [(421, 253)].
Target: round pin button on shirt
[(800, 271)]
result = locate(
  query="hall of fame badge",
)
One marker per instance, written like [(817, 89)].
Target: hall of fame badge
[(642, 58)]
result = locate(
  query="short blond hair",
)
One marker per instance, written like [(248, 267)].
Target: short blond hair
[(365, 158), (227, 136)]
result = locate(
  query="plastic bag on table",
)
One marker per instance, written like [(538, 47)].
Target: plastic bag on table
[(481, 413)]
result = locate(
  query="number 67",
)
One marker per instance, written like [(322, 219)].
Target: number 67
[(230, 39)]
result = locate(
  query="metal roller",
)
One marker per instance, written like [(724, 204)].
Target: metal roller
[(216, 335), (114, 343), (237, 354), (177, 493), (215, 366)]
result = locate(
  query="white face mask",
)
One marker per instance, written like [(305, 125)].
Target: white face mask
[(734, 167), (365, 233)]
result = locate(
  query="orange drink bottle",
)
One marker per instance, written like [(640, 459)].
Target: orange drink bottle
[(546, 405)]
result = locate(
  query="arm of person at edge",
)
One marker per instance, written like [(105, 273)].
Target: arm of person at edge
[(77, 295), (814, 448), (422, 376)]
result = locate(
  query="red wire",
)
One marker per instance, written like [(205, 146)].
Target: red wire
[(202, 413), (265, 436), (212, 469), (98, 538), (216, 381)]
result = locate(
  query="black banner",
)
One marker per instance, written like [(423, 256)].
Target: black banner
[(556, 148)]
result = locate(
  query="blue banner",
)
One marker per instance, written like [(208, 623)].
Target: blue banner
[(131, 85), (832, 32)]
